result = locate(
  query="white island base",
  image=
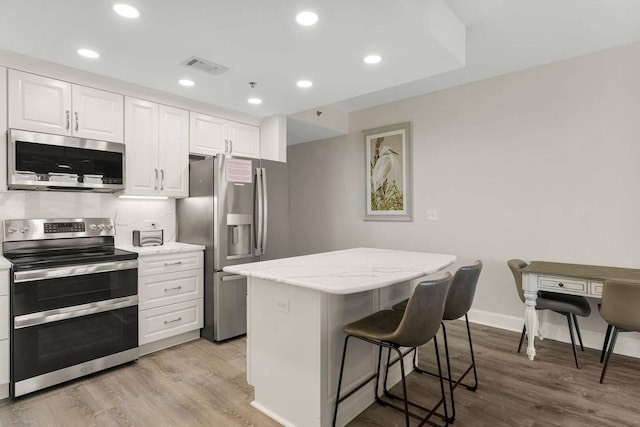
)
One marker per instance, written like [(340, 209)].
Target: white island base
[(294, 349), (296, 309)]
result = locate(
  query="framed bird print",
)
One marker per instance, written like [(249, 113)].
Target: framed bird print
[(388, 173)]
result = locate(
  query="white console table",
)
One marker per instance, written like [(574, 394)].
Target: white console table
[(574, 279), (296, 310)]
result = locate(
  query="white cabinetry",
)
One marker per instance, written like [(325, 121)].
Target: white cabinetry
[(213, 135), (273, 138), (170, 288), (4, 333), (157, 140), (42, 104)]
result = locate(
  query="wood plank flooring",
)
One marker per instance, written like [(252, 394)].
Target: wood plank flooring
[(204, 384)]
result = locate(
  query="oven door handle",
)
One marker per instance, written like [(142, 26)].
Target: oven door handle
[(34, 319), (72, 270)]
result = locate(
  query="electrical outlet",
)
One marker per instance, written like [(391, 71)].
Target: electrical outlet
[(151, 224), (282, 305), (431, 215)]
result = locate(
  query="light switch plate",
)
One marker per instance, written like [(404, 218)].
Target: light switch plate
[(431, 215), (282, 304)]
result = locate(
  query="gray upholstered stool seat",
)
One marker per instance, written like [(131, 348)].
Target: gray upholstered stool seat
[(563, 303), (416, 326)]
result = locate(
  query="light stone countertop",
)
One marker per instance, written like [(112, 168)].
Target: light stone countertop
[(347, 271), (4, 263), (166, 248)]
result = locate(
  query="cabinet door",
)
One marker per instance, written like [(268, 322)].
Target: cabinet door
[(39, 104), (173, 152), (207, 134), (141, 140), (97, 114), (273, 138), (245, 140)]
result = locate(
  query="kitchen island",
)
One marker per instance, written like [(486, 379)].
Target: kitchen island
[(296, 308)]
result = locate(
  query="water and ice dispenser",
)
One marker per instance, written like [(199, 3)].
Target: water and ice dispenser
[(239, 235)]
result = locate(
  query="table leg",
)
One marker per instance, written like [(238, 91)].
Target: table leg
[(531, 321)]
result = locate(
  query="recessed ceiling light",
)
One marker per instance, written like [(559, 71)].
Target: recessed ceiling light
[(304, 83), (372, 59), (186, 82), (254, 101), (88, 53), (306, 18), (126, 10)]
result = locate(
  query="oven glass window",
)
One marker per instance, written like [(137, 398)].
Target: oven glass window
[(51, 346), (49, 294)]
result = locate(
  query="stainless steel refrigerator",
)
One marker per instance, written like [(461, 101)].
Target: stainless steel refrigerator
[(239, 210)]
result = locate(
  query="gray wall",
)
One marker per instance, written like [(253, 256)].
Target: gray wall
[(542, 164)]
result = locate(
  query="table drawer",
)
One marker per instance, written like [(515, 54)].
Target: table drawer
[(596, 288), (176, 261), (161, 289), (563, 285), (167, 321)]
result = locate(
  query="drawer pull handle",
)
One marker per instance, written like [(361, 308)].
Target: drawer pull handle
[(177, 288), (167, 322), (561, 284), (167, 264)]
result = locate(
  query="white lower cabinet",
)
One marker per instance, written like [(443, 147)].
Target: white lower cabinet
[(170, 291), (4, 333)]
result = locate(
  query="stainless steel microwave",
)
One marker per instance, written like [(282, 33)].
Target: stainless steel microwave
[(40, 161)]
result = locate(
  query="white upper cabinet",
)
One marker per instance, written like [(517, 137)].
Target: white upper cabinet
[(173, 152), (212, 135), (3, 128), (157, 140), (244, 140), (273, 138), (47, 105), (97, 114), (208, 134)]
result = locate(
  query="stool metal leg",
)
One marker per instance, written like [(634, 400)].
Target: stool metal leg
[(404, 387), (575, 322), (444, 401), (606, 360), (606, 342), (573, 341), (446, 352), (524, 331), (473, 359)]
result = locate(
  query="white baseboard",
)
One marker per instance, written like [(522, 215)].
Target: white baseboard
[(628, 344)]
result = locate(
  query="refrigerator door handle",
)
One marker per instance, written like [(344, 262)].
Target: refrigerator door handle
[(260, 208), (265, 211)]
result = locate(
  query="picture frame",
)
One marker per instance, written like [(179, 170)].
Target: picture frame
[(388, 173)]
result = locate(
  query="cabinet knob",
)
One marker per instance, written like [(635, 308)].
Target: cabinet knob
[(68, 119), (76, 114), (561, 284)]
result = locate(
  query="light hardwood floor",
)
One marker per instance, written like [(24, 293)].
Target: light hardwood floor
[(203, 384)]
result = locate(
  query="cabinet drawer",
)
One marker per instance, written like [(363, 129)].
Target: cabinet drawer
[(4, 317), (563, 285), (4, 283), (155, 264), (164, 322), (596, 288), (4, 361), (161, 289)]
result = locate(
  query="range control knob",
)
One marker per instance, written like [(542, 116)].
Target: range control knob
[(24, 229), (101, 226), (12, 229), (109, 226), (92, 227)]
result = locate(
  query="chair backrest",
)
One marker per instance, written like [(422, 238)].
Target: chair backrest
[(422, 317), (516, 266), (462, 291), (620, 302)]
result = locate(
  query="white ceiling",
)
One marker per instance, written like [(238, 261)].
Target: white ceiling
[(258, 40)]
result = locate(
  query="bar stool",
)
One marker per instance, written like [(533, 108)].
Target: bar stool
[(459, 300), (619, 308), (567, 305), (391, 329)]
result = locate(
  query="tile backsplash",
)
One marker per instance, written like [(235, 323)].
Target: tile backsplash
[(128, 214)]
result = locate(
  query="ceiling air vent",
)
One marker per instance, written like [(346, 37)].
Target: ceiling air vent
[(204, 65)]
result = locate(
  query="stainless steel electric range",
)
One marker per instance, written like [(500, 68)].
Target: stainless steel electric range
[(74, 300)]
